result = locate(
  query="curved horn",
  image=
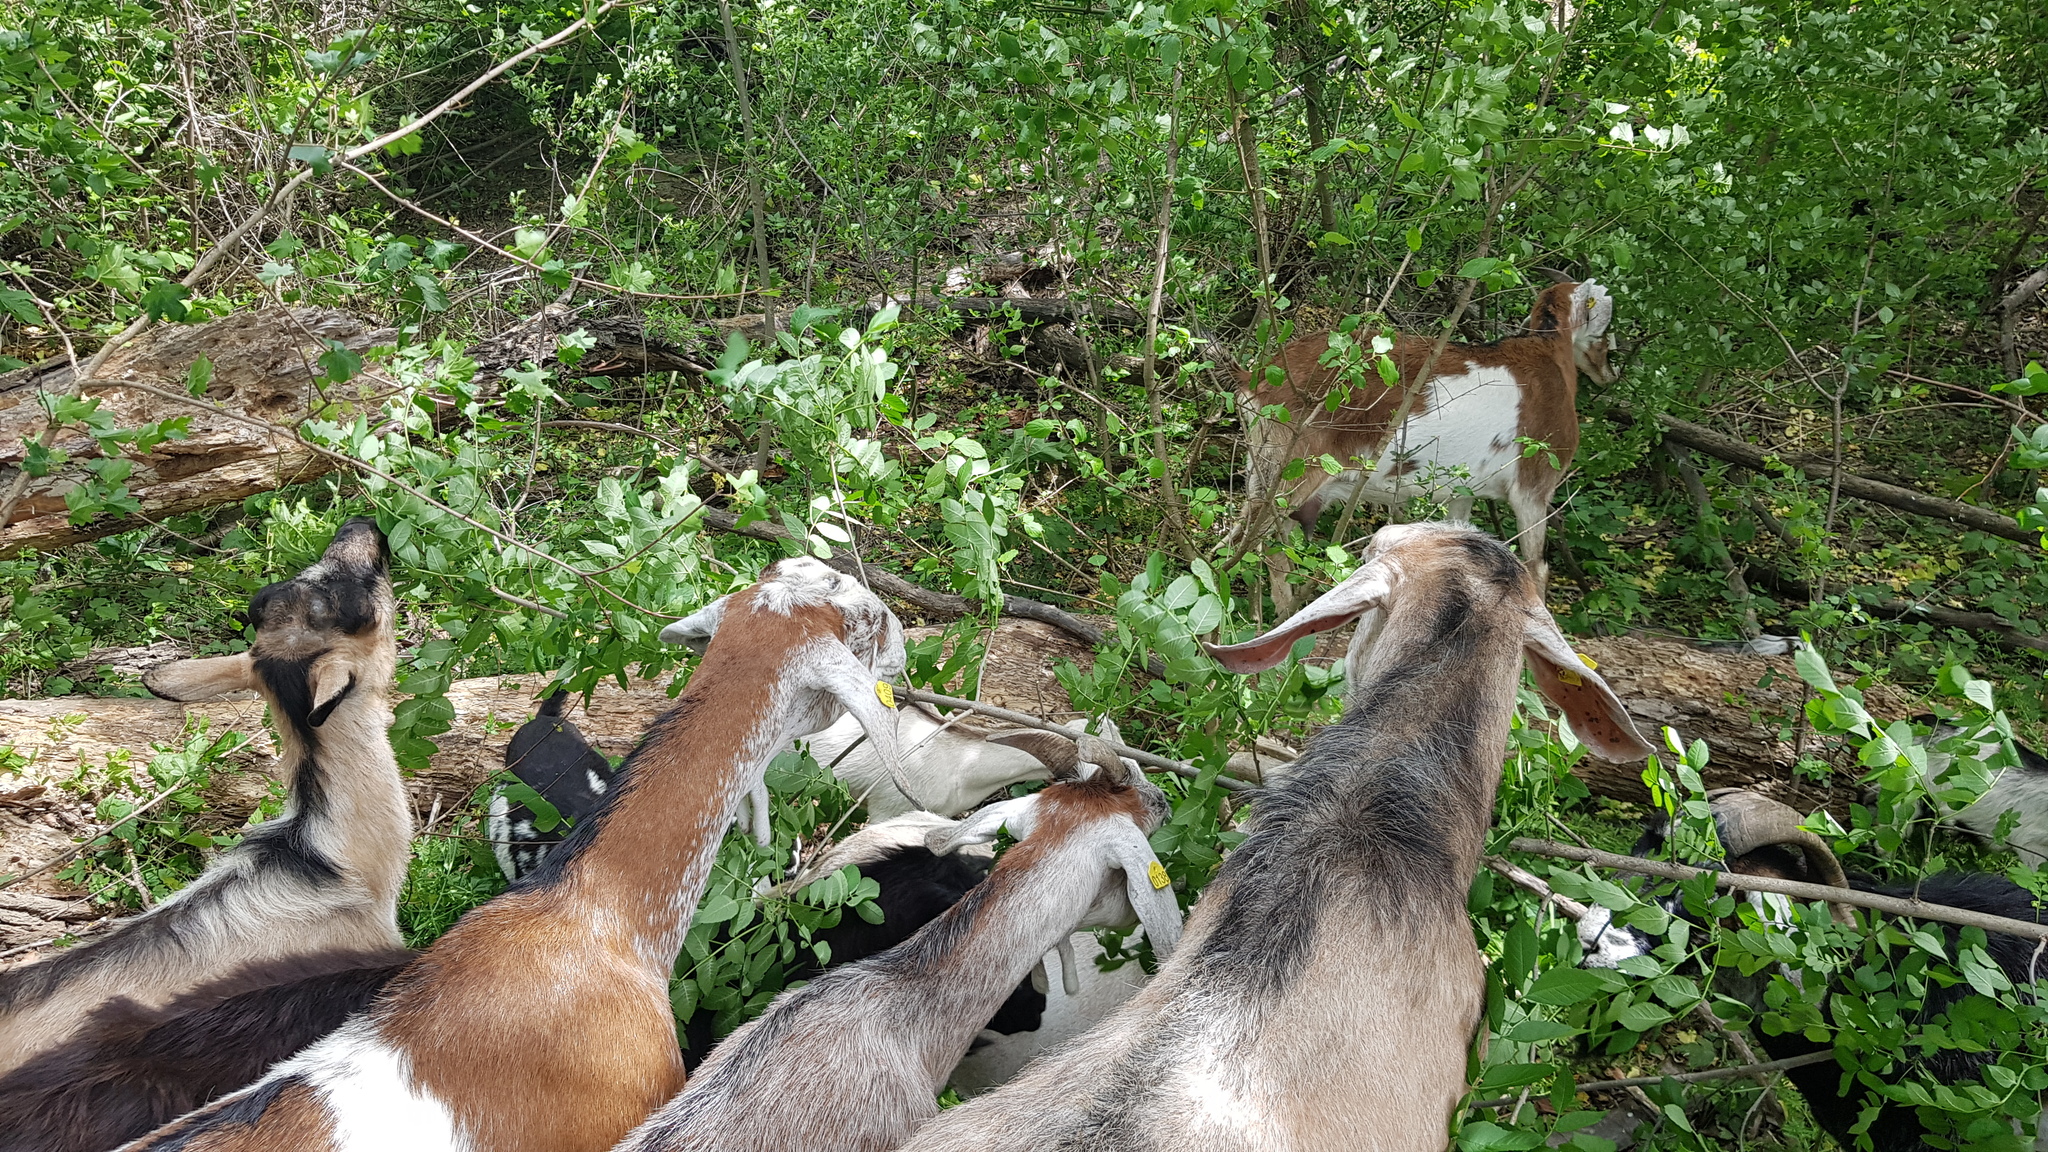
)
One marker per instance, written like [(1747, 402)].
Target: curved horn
[(1556, 277), (1057, 753), (1747, 821), (1094, 750)]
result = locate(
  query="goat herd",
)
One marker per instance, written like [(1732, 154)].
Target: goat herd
[(1324, 994)]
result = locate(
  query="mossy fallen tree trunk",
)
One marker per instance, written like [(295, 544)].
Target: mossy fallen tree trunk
[(265, 380)]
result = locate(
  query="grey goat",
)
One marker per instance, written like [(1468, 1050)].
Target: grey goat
[(881, 1035), (1327, 993)]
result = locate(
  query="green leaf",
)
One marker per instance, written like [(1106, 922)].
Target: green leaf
[(1642, 1017), (321, 160), (166, 300), (339, 363), (1562, 987), (20, 305)]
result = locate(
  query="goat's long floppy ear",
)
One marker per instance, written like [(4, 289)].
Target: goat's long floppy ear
[(1595, 712), (201, 679), (830, 666), (1150, 892), (981, 827), (329, 681), (1360, 592), (695, 630)]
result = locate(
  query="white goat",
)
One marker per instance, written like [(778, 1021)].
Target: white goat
[(852, 1061), (949, 770), (541, 1021), (1496, 420), (322, 877), (1327, 993)]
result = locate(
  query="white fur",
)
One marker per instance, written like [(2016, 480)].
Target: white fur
[(370, 1096), (1470, 427), (951, 771), (997, 1057)]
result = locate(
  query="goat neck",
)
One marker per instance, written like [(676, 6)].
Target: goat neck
[(325, 874), (541, 1021)]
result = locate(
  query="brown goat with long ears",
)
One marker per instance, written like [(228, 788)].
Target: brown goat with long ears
[(1495, 420), (322, 877), (1326, 994), (541, 1021)]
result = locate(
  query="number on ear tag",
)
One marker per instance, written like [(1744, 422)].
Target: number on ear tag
[(885, 694), (1156, 872)]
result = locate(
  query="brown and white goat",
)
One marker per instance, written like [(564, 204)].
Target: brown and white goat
[(540, 1022), (854, 1060), (322, 877), (1496, 420), (1327, 992)]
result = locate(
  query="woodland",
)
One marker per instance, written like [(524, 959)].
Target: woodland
[(600, 307)]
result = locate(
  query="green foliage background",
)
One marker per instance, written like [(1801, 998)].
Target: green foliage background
[(1807, 213)]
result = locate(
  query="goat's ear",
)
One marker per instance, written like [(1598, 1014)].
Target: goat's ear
[(1592, 708), (201, 679), (695, 630), (1150, 892), (830, 666), (1360, 592), (981, 827), (328, 681), (1057, 753)]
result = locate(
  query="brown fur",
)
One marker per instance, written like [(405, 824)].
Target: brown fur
[(537, 1019), (293, 1121), (1361, 426)]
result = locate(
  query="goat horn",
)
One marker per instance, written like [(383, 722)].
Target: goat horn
[(1747, 821), (1556, 277), (1057, 753), (1094, 750)]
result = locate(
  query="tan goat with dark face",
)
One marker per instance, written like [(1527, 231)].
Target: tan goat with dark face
[(322, 877), (1327, 992)]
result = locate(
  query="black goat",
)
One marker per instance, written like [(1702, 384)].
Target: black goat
[(917, 887), (129, 1069), (1763, 838), (549, 755)]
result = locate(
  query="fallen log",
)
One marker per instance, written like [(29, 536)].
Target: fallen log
[(265, 371), (1724, 447)]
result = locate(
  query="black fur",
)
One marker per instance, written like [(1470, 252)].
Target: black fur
[(131, 1070), (241, 1113), (1897, 1127), (550, 755), (551, 867), (917, 887)]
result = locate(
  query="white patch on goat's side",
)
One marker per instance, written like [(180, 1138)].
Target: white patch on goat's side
[(371, 1098), (498, 828), (1606, 946), (1471, 415)]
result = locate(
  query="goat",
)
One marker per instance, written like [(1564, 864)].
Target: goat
[(883, 1033), (128, 1069), (917, 886), (549, 755), (1503, 414), (1763, 837), (540, 1022), (2020, 788), (322, 877), (950, 769), (1067, 1010), (1327, 992)]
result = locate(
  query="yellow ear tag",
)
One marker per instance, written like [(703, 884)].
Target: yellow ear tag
[(1156, 872), (1587, 661), (1573, 678), (885, 693)]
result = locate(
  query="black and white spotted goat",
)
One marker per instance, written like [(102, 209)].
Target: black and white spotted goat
[(550, 755)]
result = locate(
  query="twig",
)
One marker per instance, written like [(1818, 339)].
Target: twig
[(72, 852), (1026, 720), (1912, 909), (1764, 1068)]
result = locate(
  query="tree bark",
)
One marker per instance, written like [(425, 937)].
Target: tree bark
[(1725, 447)]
